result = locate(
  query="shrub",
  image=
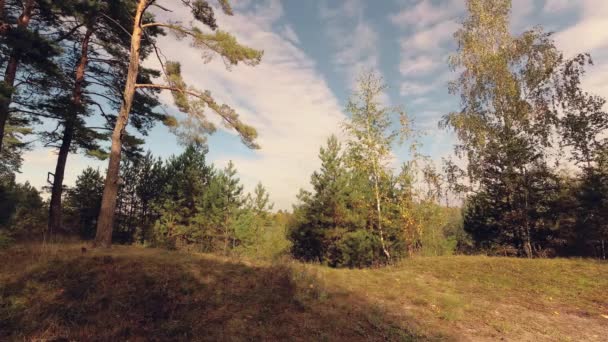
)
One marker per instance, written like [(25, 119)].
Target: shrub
[(358, 249)]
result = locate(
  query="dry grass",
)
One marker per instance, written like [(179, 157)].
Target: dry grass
[(147, 294), (484, 298)]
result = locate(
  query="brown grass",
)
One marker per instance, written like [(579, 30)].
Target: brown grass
[(131, 293)]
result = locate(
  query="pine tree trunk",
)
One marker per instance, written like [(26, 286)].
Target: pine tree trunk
[(68, 135), (103, 237), (55, 206), (10, 74)]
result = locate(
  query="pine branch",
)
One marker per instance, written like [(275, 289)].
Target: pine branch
[(229, 117), (66, 35), (117, 24)]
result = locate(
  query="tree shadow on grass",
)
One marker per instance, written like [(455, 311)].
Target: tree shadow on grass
[(108, 298)]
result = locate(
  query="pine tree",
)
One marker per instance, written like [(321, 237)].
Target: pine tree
[(229, 201), (25, 50), (186, 99), (179, 205), (84, 201), (335, 207), (252, 220), (95, 67)]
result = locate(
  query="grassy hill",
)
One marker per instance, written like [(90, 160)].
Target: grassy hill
[(59, 293)]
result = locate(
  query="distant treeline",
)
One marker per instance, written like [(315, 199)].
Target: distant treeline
[(183, 202)]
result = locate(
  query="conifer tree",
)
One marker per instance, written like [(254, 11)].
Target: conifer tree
[(84, 201), (323, 209), (186, 99), (183, 197), (95, 68), (25, 50), (229, 201)]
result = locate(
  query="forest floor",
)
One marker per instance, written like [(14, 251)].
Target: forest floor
[(56, 292)]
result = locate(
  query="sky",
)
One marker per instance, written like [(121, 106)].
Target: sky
[(313, 52)]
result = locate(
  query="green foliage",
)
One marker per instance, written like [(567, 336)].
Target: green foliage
[(195, 128), (520, 100), (183, 198), (5, 240), (193, 102), (224, 44), (12, 149), (83, 202), (358, 249), (21, 211), (188, 204), (336, 222)]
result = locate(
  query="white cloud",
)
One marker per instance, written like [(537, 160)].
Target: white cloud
[(354, 38), (284, 97), (428, 29), (589, 34), (430, 39), (39, 162), (417, 65), (290, 34), (416, 88), (426, 13), (521, 10), (555, 6)]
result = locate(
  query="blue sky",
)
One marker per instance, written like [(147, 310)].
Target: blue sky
[(313, 51)]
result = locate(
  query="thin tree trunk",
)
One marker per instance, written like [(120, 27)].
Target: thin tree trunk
[(10, 74), (103, 237), (378, 208), (68, 135), (4, 26), (528, 238), (376, 174)]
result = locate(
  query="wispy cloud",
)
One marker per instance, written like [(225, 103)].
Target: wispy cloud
[(427, 28), (284, 97), (354, 39), (426, 13), (554, 6)]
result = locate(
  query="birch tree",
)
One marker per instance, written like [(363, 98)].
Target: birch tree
[(370, 138)]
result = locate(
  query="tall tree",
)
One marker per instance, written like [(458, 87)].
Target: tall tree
[(229, 201), (84, 200), (371, 136), (333, 208), (187, 100), (22, 42), (507, 120), (183, 203), (95, 68)]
